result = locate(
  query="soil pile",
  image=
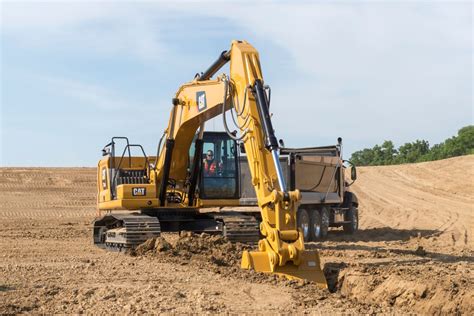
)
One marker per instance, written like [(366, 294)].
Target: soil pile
[(211, 252), (188, 246), (218, 250), (440, 289)]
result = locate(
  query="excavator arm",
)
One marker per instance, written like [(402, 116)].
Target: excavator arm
[(282, 250)]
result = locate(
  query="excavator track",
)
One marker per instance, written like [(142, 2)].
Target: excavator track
[(118, 232), (240, 228)]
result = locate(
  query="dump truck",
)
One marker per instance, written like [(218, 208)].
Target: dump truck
[(319, 173)]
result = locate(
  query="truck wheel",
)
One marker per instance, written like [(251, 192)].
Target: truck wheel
[(352, 215), (315, 227), (303, 222), (324, 221)]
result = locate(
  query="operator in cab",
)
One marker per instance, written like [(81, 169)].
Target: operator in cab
[(211, 167)]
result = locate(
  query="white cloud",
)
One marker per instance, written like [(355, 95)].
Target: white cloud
[(123, 29), (366, 71), (371, 70), (91, 95)]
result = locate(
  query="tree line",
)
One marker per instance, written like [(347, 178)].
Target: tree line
[(417, 151)]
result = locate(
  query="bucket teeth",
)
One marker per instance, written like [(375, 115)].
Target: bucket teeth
[(308, 269)]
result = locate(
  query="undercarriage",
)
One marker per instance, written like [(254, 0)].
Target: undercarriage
[(119, 232)]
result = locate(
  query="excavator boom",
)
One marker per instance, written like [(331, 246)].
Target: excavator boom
[(282, 249)]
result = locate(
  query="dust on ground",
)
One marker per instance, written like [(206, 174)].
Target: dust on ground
[(413, 254)]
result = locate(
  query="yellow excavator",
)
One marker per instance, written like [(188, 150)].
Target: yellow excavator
[(141, 196)]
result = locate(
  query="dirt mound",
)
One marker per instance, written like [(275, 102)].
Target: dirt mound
[(189, 245), (426, 291), (217, 249), (212, 252), (157, 245), (435, 198)]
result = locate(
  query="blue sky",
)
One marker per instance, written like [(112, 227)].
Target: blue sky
[(73, 74)]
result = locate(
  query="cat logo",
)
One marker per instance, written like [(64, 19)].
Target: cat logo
[(138, 191), (201, 100)]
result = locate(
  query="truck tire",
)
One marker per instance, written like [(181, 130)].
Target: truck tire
[(303, 222), (315, 227), (324, 221), (352, 215)]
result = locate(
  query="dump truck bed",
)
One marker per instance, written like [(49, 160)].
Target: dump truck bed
[(314, 171)]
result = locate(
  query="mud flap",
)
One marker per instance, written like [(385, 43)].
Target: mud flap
[(308, 269)]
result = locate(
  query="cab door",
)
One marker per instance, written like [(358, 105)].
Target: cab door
[(219, 176)]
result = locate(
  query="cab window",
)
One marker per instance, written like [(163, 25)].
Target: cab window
[(219, 168)]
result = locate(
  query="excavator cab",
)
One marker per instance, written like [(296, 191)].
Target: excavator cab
[(219, 177)]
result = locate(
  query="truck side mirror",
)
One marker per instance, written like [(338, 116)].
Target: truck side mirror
[(353, 173)]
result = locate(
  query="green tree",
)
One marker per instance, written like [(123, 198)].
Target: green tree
[(362, 157), (412, 152), (463, 143), (386, 154), (389, 152)]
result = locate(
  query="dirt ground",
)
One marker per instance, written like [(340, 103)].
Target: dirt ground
[(413, 254)]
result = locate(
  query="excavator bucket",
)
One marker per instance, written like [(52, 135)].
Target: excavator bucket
[(308, 269)]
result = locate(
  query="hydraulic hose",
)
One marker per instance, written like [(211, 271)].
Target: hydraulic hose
[(226, 127)]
